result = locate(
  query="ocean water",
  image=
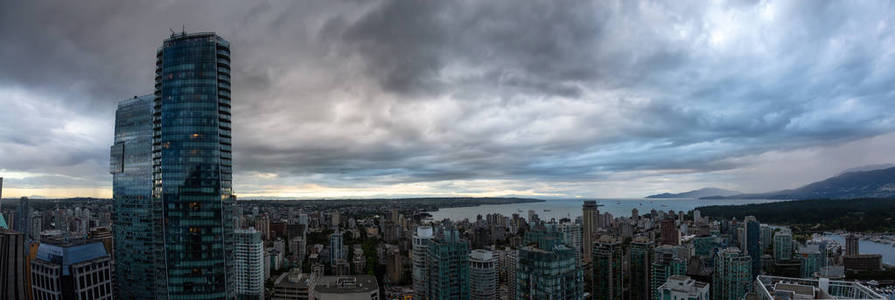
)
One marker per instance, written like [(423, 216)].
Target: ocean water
[(870, 247), (571, 208)]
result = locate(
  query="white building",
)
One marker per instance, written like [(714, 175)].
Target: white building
[(482, 275), (249, 257), (680, 287), (773, 287)]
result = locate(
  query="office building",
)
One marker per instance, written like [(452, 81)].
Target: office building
[(292, 285), (448, 266), (77, 270), (862, 262), (23, 218), (192, 165), (421, 239), (851, 245), (640, 259), (753, 243), (139, 256), (732, 275), (358, 287), (482, 275), (670, 233), (589, 227), (783, 245), (608, 277), (679, 287), (249, 259), (3, 223), (12, 265), (548, 269), (773, 288)]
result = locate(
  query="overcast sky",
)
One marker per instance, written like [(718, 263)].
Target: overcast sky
[(485, 98)]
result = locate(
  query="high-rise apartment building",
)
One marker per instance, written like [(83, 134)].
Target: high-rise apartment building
[(732, 277), (851, 245), (448, 266), (192, 165), (249, 259), (336, 247), (640, 259), (12, 265), (670, 233), (588, 227), (608, 277), (139, 244), (548, 269), (77, 270), (482, 275), (783, 245), (767, 237), (3, 224), (420, 273)]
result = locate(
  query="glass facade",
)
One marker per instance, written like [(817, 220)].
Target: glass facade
[(548, 269), (731, 279), (753, 245), (137, 227), (191, 160)]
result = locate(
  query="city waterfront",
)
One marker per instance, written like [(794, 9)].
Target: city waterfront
[(571, 208), (869, 247)]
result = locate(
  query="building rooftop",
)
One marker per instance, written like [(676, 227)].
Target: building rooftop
[(773, 287), (71, 252), (346, 284)]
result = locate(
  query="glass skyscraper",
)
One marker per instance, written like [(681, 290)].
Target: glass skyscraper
[(137, 230), (547, 268), (191, 161)]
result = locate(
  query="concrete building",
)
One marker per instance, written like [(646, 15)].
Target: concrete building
[(482, 275), (588, 227), (12, 265), (249, 259), (773, 288), (862, 262), (670, 233), (851, 245), (77, 270), (679, 287), (359, 287), (293, 285)]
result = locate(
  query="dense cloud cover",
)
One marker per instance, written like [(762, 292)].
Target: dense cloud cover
[(409, 98)]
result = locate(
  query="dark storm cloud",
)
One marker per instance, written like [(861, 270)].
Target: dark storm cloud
[(380, 93)]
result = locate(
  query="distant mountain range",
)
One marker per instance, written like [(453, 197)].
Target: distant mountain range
[(864, 182), (700, 193)]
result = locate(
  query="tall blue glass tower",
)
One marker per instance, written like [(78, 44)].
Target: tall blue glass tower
[(138, 232), (753, 245), (191, 161)]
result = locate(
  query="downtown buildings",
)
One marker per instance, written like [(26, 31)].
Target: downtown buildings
[(548, 269), (249, 259), (177, 240)]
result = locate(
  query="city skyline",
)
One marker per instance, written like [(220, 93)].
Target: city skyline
[(341, 100)]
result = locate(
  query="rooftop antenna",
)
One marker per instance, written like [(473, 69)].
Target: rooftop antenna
[(172, 31), (184, 28)]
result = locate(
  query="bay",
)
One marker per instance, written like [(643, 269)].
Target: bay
[(571, 208)]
